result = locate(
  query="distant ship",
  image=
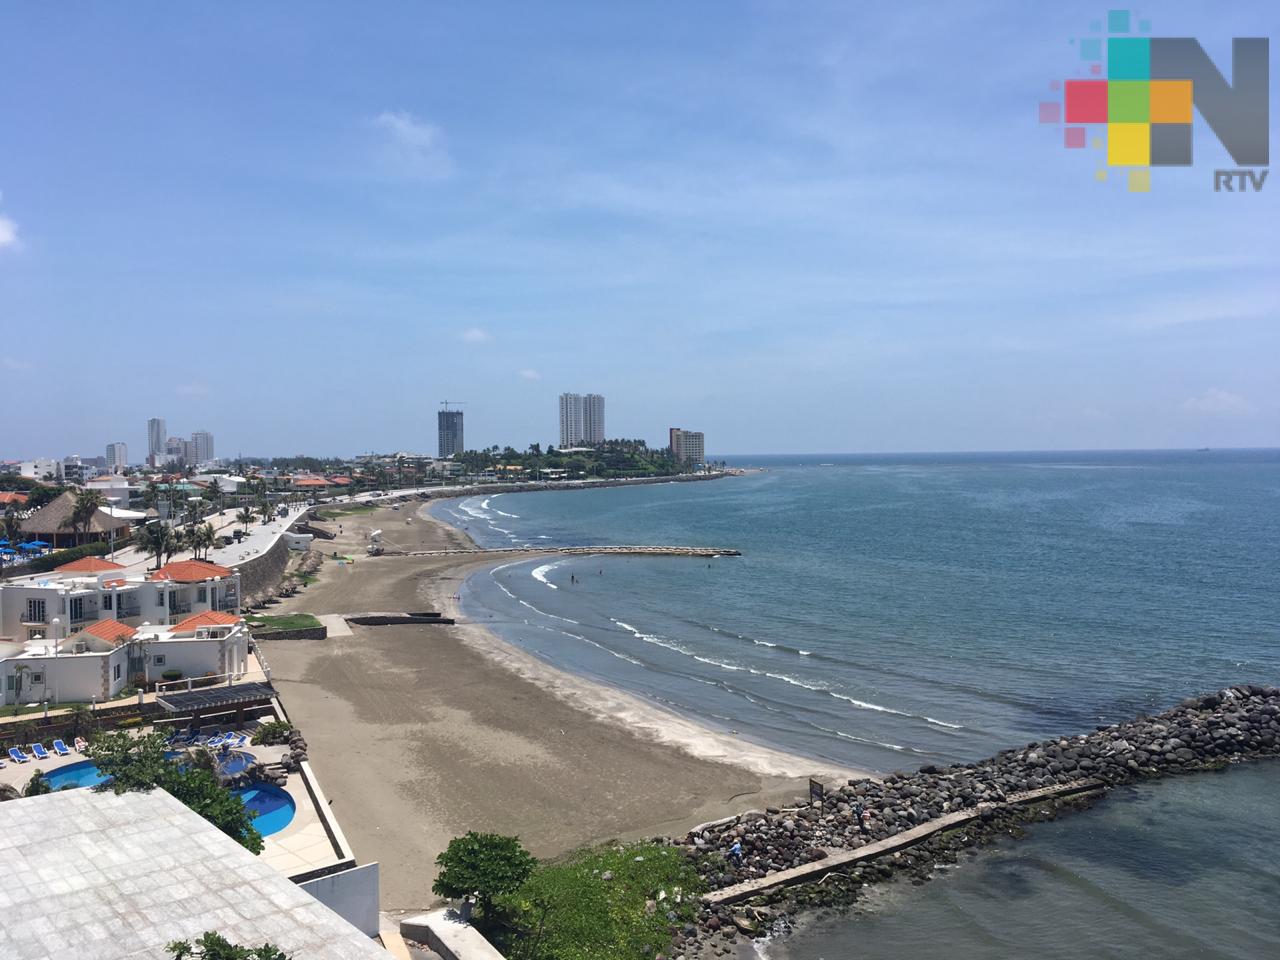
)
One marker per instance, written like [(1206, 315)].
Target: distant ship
[(1203, 450)]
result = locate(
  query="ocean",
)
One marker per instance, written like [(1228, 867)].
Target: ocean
[(892, 611)]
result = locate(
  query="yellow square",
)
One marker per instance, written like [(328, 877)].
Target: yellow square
[(1128, 144), (1140, 180), (1100, 174), (1170, 101)]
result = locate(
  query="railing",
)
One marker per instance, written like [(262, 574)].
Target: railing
[(179, 608), (87, 612), (123, 612), (43, 618)]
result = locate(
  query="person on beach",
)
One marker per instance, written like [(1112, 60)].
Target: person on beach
[(864, 821), (860, 815), (735, 853)]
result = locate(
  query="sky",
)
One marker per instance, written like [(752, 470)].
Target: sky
[(817, 227)]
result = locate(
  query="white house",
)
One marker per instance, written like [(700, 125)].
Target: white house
[(68, 599), (98, 661)]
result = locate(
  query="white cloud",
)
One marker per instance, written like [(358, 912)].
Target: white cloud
[(1218, 402), (528, 374), (8, 233), (475, 335), (414, 147)]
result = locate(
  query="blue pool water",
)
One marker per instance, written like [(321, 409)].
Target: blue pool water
[(272, 808), (82, 774)]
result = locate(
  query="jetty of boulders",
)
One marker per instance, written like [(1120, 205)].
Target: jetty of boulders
[(796, 858)]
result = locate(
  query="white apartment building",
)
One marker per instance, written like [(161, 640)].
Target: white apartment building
[(581, 420), (100, 659), (79, 594), (41, 469), (201, 446), (687, 445), (117, 457)]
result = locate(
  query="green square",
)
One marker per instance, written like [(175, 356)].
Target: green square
[(1129, 58), (1128, 101)]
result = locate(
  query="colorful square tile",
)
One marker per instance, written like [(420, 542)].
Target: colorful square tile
[(1129, 58), (1050, 111), (1140, 181), (1117, 21), (1171, 145), (1128, 144), (1091, 48), (1129, 101), (1171, 101), (1073, 138), (1086, 101)]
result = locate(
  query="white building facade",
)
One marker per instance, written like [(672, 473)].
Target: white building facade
[(117, 457), (687, 446), (581, 420)]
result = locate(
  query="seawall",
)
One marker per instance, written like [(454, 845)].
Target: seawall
[(261, 573)]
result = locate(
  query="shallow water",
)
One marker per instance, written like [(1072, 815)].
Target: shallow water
[(894, 612)]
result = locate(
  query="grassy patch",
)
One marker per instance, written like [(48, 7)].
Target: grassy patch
[(330, 513), (306, 579), (285, 621), (569, 910)]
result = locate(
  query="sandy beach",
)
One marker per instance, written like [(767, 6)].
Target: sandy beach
[(420, 733)]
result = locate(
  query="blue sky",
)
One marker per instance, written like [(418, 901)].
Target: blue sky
[(798, 227)]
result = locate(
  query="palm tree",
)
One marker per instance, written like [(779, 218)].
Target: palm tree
[(202, 538), (265, 511), (245, 516), (87, 503), (157, 539), (12, 523)]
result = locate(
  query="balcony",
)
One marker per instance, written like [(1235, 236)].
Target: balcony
[(177, 609), (88, 611), (125, 611)]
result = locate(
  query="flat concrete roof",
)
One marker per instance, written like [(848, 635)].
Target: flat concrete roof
[(102, 877)]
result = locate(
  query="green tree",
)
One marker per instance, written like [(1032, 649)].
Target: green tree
[(37, 785), (213, 946), (157, 539), (245, 517), (139, 763), (202, 539), (486, 864), (87, 503)]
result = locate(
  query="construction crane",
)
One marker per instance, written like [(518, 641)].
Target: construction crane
[(456, 403)]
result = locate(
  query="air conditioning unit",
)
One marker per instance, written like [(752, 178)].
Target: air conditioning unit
[(81, 647), (202, 633)]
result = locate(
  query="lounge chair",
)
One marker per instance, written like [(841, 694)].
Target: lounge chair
[(40, 752), (214, 742), (17, 756), (81, 743), (60, 749)]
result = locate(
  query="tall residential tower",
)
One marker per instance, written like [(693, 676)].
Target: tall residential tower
[(449, 424), (581, 420), (156, 437)]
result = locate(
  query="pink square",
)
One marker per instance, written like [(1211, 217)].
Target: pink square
[(1095, 69), (1055, 85), (1050, 111), (1073, 138)]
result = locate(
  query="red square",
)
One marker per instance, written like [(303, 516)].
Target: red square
[(1086, 101)]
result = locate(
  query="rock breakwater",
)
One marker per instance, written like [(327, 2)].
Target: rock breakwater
[(1234, 724)]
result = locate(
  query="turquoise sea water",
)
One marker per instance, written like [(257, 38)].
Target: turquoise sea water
[(895, 611)]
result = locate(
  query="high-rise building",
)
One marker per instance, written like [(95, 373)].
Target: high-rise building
[(687, 445), (449, 426), (581, 420), (155, 437), (117, 457), (202, 446)]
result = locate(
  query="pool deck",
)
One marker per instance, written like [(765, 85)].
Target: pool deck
[(301, 847)]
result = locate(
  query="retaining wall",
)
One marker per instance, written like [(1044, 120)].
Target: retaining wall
[(263, 572)]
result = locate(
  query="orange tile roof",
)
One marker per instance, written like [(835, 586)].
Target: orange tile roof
[(190, 571), (311, 482), (113, 631), (340, 481), (12, 497), (114, 583), (210, 618), (88, 565)]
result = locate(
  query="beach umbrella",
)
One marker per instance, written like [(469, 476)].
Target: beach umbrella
[(38, 543), (7, 551), (27, 546), (3, 542)]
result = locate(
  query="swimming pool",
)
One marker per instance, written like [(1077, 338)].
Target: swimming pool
[(272, 809)]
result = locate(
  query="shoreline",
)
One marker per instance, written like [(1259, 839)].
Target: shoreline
[(420, 733)]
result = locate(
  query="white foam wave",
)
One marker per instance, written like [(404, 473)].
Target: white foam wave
[(601, 646), (526, 603), (540, 573), (864, 705)]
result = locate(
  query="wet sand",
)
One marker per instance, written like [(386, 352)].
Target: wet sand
[(420, 733)]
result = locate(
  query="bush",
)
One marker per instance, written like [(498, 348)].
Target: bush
[(171, 675), (486, 864), (213, 946), (272, 733), (570, 911), (37, 785)]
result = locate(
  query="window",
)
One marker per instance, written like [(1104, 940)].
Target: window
[(36, 611), (159, 660), (115, 674), (106, 601), (160, 597), (8, 682), (202, 595), (37, 678), (77, 608)]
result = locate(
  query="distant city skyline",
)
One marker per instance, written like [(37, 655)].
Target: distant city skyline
[(773, 212)]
